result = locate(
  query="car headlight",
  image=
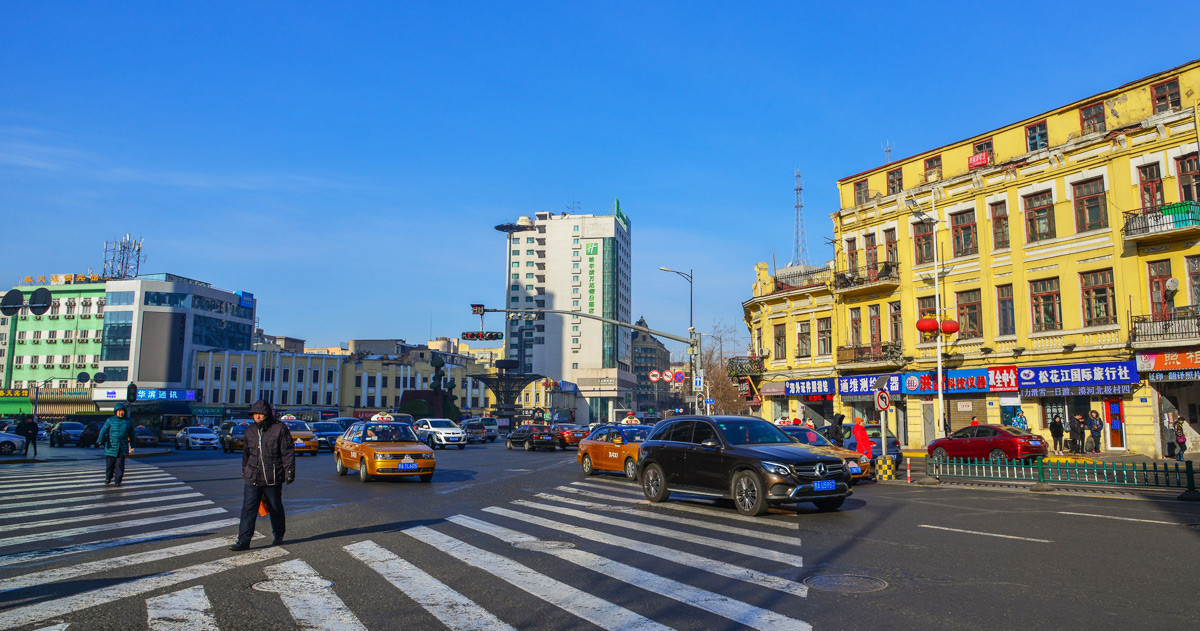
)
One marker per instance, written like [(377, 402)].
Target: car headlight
[(776, 468), (863, 459)]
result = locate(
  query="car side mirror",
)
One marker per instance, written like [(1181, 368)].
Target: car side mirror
[(710, 443), (618, 441)]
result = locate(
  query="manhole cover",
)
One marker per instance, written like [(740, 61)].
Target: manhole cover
[(303, 584), (845, 583), (542, 546)]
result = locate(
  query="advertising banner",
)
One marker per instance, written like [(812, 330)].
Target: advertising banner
[(865, 384), (802, 387), (1098, 374)]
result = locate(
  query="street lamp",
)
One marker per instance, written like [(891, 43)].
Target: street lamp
[(524, 224), (694, 359), (931, 218)]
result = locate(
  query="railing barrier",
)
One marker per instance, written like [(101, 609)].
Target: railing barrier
[(1045, 474)]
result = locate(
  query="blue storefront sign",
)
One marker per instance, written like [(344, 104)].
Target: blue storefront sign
[(865, 384), (1099, 374), (245, 299), (162, 394), (801, 387)]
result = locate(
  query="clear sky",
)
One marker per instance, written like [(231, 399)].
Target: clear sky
[(346, 161)]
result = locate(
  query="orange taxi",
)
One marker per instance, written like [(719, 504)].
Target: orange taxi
[(381, 448), (612, 448), (306, 440), (818, 443)]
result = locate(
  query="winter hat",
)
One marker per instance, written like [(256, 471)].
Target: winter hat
[(261, 407), (120, 406)]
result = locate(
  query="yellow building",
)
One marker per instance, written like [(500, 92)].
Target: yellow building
[(376, 383), (1063, 247)]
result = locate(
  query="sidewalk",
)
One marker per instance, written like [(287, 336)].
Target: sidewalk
[(68, 454), (1115, 456)]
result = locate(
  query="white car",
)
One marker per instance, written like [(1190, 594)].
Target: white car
[(11, 443), (439, 432), (196, 438)]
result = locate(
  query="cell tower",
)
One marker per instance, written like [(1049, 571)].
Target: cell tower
[(799, 247), (123, 259)]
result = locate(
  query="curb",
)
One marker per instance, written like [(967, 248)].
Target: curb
[(23, 461), (153, 454), (1135, 493)]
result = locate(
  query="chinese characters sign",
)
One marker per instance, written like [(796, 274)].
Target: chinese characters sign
[(18, 393), (156, 394), (1170, 366), (592, 253), (970, 380), (1106, 373), (865, 384), (798, 387)]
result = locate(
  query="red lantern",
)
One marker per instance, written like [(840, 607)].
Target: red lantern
[(927, 325), (949, 327)]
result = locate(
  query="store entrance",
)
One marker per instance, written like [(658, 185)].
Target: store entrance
[(1114, 416)]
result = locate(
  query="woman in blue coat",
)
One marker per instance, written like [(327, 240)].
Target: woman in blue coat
[(117, 439)]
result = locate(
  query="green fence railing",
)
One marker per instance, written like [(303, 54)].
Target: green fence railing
[(1045, 474)]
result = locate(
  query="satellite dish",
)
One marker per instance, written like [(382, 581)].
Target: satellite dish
[(99, 377), (1172, 284), (39, 302), (83, 377), (12, 302)]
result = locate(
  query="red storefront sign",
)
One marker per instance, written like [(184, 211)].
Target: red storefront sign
[(980, 159), (1002, 379)]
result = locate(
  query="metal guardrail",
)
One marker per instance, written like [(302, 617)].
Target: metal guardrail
[(1046, 473), (1181, 323), (1162, 218)]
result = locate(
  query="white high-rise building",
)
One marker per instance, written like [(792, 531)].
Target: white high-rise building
[(578, 263)]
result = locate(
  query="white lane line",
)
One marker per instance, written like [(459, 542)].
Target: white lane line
[(74, 475), (729, 608), (1144, 521), (184, 610), (309, 598), (721, 544), (55, 575), (712, 566), (128, 540), (451, 608), (84, 507), (597, 611), (107, 490), (633, 492), (56, 502), (75, 603), (124, 513), (707, 525), (685, 508), (87, 530), (986, 534), (70, 484), (55, 627)]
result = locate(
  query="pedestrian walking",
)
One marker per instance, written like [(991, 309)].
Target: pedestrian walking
[(974, 420), (1020, 422), (1096, 427), (268, 462), (836, 430), (28, 430), (1180, 439), (862, 442), (1076, 428), (1056, 432), (117, 438)]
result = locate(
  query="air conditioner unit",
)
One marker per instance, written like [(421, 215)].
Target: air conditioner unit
[(52, 341), (64, 365), (69, 316), (53, 317), (37, 317), (95, 365), (85, 315), (20, 341), (24, 317), (80, 365), (37, 341)]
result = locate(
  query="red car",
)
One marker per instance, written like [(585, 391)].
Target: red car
[(568, 435), (992, 442)]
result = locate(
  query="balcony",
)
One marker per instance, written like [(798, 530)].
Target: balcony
[(1179, 327), (1165, 222), (751, 366), (885, 275), (789, 280), (870, 355)]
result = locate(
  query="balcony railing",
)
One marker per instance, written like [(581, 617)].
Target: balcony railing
[(789, 279), (871, 353), (883, 273), (745, 366), (1179, 324), (1164, 218)]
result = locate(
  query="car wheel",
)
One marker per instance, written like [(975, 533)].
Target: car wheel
[(363, 476), (630, 469), (654, 484), (939, 454), (997, 455), (586, 463), (7, 448), (429, 441), (748, 495), (189, 444), (341, 466), (508, 444), (832, 503), (528, 446), (426, 477)]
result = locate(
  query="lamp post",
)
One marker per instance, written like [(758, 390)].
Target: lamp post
[(931, 218), (694, 360), (524, 224)]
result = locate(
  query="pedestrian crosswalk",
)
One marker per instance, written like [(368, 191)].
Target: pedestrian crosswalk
[(590, 554)]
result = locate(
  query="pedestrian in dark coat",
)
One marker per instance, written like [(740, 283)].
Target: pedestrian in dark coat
[(1076, 428), (117, 439), (28, 430), (835, 432), (1096, 427), (1056, 432), (268, 462)]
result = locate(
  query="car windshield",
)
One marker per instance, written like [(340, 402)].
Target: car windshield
[(806, 436), (388, 433), (238, 430), (568, 428), (199, 430), (751, 432), (297, 426), (71, 426), (635, 434), (443, 424), (327, 427)]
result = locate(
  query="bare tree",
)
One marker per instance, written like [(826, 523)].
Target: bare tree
[(719, 346)]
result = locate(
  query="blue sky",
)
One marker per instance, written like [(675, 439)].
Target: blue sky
[(346, 162)]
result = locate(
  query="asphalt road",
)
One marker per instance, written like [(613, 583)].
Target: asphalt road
[(508, 539)]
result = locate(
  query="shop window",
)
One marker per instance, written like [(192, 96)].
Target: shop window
[(1166, 96), (923, 241), (970, 313), (824, 336), (1036, 137), (1039, 217), (1046, 305), (1099, 303), (1006, 314), (962, 227), (1091, 118), (1091, 211), (895, 181), (999, 224)]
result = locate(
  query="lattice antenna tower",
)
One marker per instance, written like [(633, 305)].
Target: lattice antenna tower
[(887, 149), (799, 247), (123, 259)]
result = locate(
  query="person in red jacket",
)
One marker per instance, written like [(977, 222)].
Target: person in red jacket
[(862, 442)]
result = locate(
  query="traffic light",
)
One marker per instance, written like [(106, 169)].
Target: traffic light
[(482, 335), (476, 309), (131, 393)]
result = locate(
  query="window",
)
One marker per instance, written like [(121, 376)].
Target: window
[(1006, 315), (999, 224), (874, 325), (200, 373), (529, 240), (970, 313), (780, 340), (1159, 273), (856, 326), (216, 396), (1036, 137), (804, 335), (328, 398), (962, 228), (1091, 211), (852, 254), (895, 321), (923, 241), (1046, 304), (927, 307), (1099, 302), (1166, 96), (1193, 272), (370, 380), (861, 194), (872, 252), (889, 243), (1189, 178), (329, 376), (895, 182), (357, 381), (233, 373), (824, 336), (370, 400), (933, 168), (983, 146), (1091, 118), (217, 372), (1039, 217)]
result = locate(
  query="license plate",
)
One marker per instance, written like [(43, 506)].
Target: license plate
[(1035, 442), (453, 439), (855, 469), (299, 443), (545, 438), (407, 466), (824, 485), (578, 435)]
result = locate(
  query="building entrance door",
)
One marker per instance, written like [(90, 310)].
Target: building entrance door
[(1114, 415)]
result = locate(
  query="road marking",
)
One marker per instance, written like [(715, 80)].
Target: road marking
[(71, 509), (184, 610), (56, 502), (729, 608), (1144, 521), (986, 534), (452, 609), (87, 530), (83, 569), (59, 496), (721, 544), (707, 525), (125, 513), (309, 598), (58, 607), (55, 627), (595, 610), (71, 475), (86, 488), (712, 566), (634, 494), (98, 480), (685, 508), (129, 540)]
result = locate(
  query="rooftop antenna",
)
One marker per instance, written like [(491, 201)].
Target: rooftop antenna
[(123, 259), (799, 246), (887, 149)]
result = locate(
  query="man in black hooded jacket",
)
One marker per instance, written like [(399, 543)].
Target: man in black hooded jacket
[(268, 461)]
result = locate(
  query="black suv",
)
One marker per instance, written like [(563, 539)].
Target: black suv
[(531, 437), (743, 458)]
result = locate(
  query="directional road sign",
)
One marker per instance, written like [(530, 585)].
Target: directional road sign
[(709, 401), (883, 400)]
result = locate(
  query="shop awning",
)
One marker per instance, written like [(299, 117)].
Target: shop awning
[(15, 406)]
